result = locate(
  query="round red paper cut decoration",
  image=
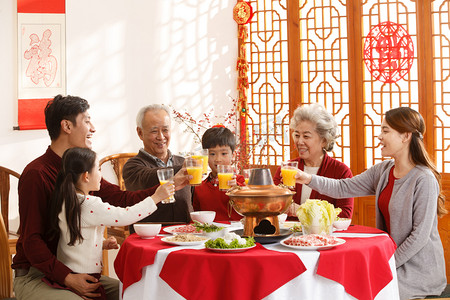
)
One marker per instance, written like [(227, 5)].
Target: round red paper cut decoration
[(242, 12), (388, 52)]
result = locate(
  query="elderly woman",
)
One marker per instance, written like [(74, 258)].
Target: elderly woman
[(408, 201), (314, 132)]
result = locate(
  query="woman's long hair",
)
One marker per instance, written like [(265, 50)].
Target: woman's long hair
[(406, 119), (75, 162)]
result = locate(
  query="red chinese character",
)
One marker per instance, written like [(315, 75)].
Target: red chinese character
[(42, 64), (388, 52)]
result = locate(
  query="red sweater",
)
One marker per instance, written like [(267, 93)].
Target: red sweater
[(207, 196), (330, 168), (385, 198), (36, 184)]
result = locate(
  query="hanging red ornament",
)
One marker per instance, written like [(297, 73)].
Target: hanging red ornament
[(242, 12), (388, 52)]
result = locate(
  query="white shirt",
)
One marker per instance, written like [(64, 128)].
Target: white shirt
[(86, 256), (306, 190)]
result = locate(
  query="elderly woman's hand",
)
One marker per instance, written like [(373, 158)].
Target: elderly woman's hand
[(302, 177), (181, 179)]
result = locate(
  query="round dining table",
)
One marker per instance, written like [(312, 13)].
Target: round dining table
[(362, 268)]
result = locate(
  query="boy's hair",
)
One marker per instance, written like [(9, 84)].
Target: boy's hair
[(63, 108), (218, 136)]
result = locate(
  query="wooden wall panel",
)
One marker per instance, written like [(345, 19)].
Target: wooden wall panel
[(313, 51)]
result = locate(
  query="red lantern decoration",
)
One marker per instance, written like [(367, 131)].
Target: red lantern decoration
[(388, 52)]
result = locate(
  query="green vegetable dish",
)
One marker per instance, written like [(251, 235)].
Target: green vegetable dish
[(205, 227), (230, 241)]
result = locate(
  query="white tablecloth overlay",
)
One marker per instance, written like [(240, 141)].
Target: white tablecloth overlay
[(306, 286)]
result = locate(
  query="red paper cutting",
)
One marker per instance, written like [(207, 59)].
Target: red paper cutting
[(388, 52)]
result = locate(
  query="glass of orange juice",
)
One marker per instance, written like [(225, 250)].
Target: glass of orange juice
[(165, 176), (225, 174), (203, 155), (194, 167), (246, 175), (288, 171)]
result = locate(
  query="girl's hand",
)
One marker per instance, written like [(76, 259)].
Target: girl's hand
[(163, 192), (302, 177), (110, 243)]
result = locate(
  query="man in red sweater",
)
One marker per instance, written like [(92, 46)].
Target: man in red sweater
[(69, 125)]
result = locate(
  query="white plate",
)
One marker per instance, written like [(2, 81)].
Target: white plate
[(233, 250), (165, 239), (290, 224), (170, 229), (340, 242)]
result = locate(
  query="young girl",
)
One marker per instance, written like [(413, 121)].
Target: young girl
[(79, 219), (408, 200)]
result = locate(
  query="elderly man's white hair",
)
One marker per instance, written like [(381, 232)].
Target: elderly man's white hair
[(151, 107)]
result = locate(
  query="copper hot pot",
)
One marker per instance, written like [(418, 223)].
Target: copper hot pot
[(260, 202)]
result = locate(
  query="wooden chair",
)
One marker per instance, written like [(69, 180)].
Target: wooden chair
[(5, 185), (6, 287), (119, 232), (118, 161)]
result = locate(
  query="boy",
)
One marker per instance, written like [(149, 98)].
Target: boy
[(220, 142)]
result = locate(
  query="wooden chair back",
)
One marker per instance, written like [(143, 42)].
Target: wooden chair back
[(6, 289), (118, 161), (5, 185), (119, 232)]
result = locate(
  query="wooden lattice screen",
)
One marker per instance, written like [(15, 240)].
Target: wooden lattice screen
[(313, 51), (303, 51)]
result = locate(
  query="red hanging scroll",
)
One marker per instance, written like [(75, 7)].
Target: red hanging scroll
[(41, 58), (388, 52)]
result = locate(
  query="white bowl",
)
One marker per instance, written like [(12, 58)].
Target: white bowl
[(203, 216), (342, 223), (316, 229), (147, 230)]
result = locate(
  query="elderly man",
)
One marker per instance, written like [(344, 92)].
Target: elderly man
[(153, 128)]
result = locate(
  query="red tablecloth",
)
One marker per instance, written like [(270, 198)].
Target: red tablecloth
[(136, 253), (253, 274), (363, 271)]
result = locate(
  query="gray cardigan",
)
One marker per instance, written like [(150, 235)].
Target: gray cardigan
[(413, 218)]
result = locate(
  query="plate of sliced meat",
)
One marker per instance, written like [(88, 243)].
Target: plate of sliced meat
[(312, 242), (182, 229)]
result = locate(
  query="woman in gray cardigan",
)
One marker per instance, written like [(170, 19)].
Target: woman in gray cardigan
[(408, 200)]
